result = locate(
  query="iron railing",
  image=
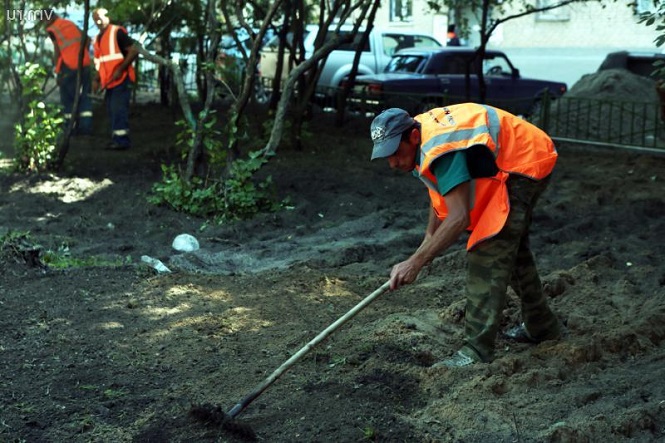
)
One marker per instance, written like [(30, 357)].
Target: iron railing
[(629, 124), (634, 125)]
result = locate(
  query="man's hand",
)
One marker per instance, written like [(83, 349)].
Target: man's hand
[(117, 73), (95, 85), (404, 273)]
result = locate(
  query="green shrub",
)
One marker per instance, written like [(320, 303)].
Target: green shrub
[(239, 195), (236, 198), (36, 135)]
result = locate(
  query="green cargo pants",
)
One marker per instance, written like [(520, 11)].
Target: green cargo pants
[(502, 260)]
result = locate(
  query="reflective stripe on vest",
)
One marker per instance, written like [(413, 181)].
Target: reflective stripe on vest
[(517, 146), (68, 39), (108, 57)]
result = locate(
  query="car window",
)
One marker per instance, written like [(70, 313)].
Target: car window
[(443, 63), (273, 43), (496, 66), (405, 63), (393, 42), (347, 44)]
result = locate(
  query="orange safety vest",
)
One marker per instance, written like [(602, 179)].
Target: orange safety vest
[(518, 148), (68, 38), (108, 57)]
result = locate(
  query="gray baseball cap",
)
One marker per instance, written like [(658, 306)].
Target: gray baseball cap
[(387, 129)]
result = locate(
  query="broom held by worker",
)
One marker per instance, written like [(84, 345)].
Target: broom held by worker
[(67, 40), (484, 169)]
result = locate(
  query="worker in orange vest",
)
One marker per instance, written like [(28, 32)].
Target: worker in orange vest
[(485, 169), (67, 39), (114, 54), (451, 37)]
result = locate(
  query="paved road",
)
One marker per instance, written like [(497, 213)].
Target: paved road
[(560, 64)]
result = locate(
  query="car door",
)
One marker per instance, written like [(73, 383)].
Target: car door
[(505, 88), (456, 74), (341, 59)]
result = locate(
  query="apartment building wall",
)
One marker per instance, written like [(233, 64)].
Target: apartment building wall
[(415, 16), (576, 25)]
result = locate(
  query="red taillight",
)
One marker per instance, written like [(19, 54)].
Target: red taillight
[(374, 88)]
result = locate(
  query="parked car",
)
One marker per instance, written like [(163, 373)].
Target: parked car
[(382, 44), (232, 65), (229, 60), (640, 63), (420, 79)]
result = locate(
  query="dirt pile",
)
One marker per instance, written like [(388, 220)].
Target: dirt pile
[(611, 106), (615, 84), (117, 353)]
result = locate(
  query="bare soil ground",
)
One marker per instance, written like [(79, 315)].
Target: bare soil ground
[(119, 353)]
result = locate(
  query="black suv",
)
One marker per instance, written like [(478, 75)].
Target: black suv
[(640, 63)]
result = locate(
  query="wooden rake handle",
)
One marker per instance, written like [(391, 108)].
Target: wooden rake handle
[(238, 408)]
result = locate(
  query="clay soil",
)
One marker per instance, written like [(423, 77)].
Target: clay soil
[(108, 350)]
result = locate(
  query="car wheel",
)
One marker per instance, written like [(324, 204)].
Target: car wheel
[(261, 96), (427, 105)]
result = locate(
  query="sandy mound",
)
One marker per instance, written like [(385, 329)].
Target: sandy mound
[(610, 106), (615, 84)]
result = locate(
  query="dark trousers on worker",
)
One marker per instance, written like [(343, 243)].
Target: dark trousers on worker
[(503, 260), (67, 84), (117, 106)]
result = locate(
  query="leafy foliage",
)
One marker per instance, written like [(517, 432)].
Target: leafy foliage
[(36, 136), (234, 197), (18, 246), (61, 258), (656, 17)]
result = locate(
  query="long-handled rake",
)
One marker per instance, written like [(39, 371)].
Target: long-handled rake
[(214, 414)]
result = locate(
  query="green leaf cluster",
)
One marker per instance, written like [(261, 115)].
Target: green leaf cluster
[(656, 17), (236, 195), (61, 258), (36, 135), (18, 246)]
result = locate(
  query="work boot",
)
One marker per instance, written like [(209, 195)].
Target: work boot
[(521, 335), (459, 359)]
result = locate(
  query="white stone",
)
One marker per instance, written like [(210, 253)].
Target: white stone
[(185, 243)]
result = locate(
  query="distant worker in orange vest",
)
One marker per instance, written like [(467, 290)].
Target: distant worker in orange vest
[(67, 38), (485, 169), (114, 54), (451, 37)]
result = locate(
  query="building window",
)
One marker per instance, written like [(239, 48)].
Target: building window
[(648, 6), (401, 10), (552, 15)]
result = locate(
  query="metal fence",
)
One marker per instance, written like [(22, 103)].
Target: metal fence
[(147, 75), (635, 125)]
